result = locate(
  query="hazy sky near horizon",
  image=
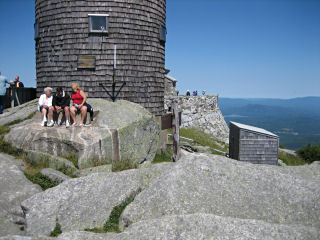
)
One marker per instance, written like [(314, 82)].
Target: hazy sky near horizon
[(234, 48)]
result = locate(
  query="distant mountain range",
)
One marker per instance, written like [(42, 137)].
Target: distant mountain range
[(296, 121)]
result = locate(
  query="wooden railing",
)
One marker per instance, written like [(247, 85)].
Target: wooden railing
[(18, 96)]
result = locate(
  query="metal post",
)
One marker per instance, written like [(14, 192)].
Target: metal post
[(16, 96), (12, 96), (114, 93), (175, 130), (116, 156)]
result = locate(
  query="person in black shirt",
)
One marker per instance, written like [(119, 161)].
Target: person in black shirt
[(17, 82), (61, 102)]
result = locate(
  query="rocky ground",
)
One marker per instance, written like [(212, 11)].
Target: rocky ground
[(202, 196), (14, 188)]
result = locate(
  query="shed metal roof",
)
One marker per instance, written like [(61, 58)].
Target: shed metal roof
[(171, 78), (253, 129)]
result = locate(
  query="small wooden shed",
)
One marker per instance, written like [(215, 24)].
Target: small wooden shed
[(252, 144)]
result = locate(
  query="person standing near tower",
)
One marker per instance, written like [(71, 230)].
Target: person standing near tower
[(17, 82), (3, 82)]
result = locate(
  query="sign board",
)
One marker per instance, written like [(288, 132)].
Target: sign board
[(88, 62), (166, 121)]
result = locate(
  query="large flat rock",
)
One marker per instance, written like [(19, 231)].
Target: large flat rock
[(37, 158), (19, 237), (82, 235), (19, 112), (197, 227), (306, 172), (14, 188), (136, 141), (212, 184), (85, 202), (54, 175), (202, 227)]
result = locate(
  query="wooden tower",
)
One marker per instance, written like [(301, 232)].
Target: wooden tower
[(75, 42)]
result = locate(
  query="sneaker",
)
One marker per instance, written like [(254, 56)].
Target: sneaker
[(67, 124), (50, 124), (43, 123)]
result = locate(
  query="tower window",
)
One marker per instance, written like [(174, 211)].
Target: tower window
[(163, 33), (98, 23)]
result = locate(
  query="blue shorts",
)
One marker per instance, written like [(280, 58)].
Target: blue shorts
[(42, 108)]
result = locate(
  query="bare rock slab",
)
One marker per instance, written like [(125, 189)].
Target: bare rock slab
[(51, 161), (202, 227), (85, 202), (82, 235), (211, 184), (79, 203), (14, 188), (54, 175), (102, 168), (197, 227), (18, 237), (205, 226), (19, 112), (136, 138)]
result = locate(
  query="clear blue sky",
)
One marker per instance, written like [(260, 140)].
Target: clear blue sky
[(235, 48)]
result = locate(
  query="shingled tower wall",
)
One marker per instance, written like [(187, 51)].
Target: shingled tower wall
[(63, 39)]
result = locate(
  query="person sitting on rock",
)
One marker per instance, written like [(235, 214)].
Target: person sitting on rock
[(79, 99), (61, 102), (45, 107)]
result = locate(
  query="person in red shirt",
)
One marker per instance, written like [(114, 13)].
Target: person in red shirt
[(79, 99)]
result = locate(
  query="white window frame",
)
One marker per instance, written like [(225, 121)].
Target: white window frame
[(98, 15)]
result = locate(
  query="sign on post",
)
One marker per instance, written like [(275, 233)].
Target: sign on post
[(173, 120), (166, 121)]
